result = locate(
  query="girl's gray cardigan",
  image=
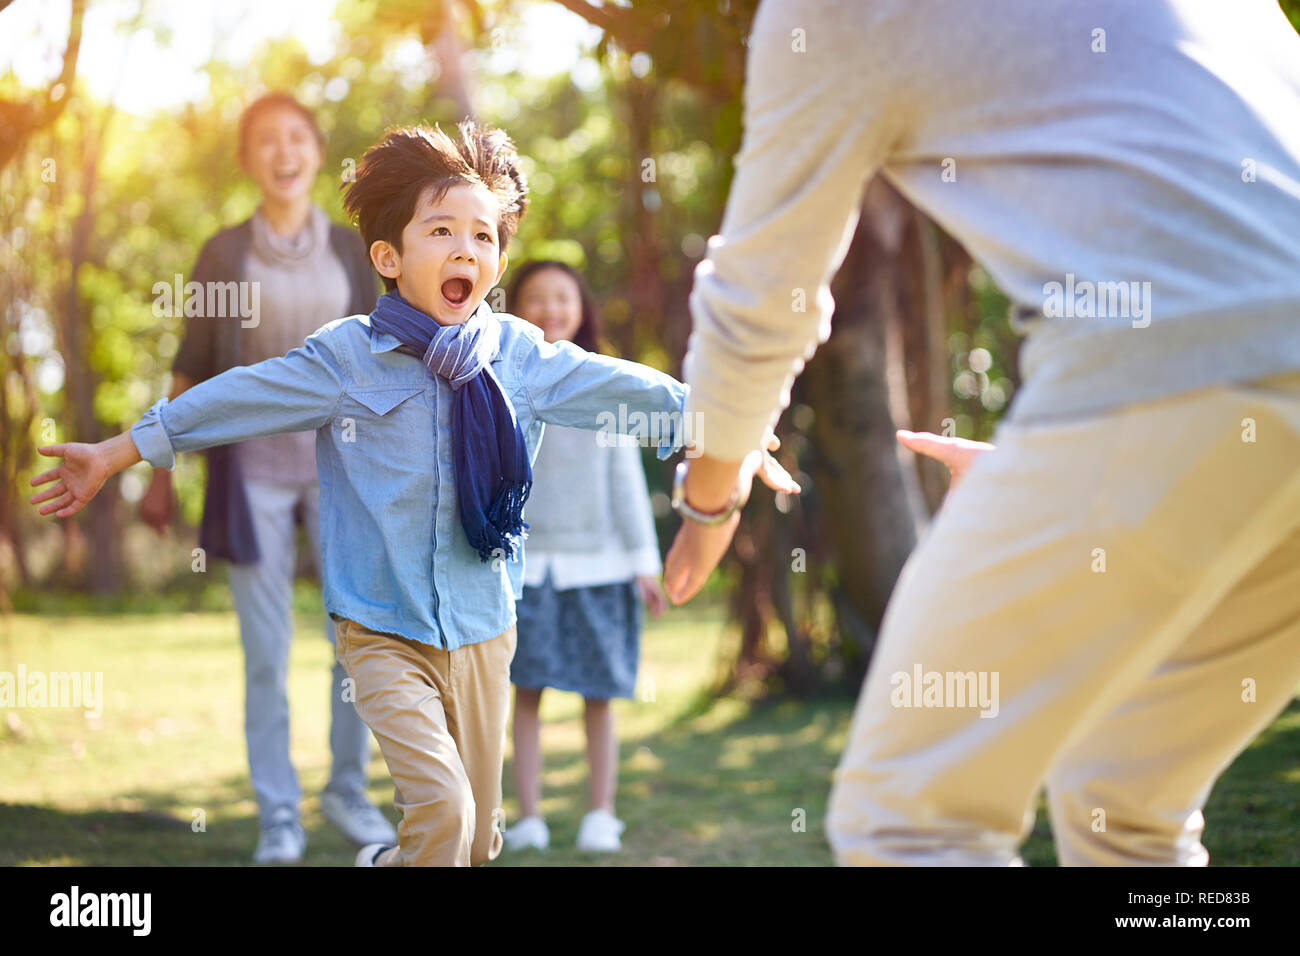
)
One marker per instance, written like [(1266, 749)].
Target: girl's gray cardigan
[(589, 498)]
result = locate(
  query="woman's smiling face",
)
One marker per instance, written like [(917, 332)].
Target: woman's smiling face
[(282, 154), (450, 258)]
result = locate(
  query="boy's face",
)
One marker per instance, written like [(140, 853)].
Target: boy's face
[(449, 259)]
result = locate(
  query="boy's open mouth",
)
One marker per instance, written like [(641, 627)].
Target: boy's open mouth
[(457, 290)]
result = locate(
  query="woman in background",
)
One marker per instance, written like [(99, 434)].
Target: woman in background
[(592, 559)]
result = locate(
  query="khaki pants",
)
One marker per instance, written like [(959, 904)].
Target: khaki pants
[(440, 719), (1133, 583)]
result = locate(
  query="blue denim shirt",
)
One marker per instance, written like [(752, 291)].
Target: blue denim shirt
[(395, 557)]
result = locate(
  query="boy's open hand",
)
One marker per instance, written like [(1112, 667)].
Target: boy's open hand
[(958, 454), (698, 548), (76, 480)]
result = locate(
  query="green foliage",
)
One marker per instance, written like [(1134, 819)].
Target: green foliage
[(168, 181), (1292, 9)]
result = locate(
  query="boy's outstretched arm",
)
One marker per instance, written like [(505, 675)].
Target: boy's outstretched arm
[(298, 392), (567, 385)]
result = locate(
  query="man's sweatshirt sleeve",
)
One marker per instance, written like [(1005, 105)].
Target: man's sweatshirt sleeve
[(817, 125)]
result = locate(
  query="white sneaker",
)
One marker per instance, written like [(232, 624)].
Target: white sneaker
[(528, 833), (367, 855), (600, 831), (357, 819), (282, 842)]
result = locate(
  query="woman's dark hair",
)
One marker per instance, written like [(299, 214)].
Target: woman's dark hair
[(275, 100), (589, 331)]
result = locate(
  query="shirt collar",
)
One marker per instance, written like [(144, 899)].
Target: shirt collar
[(382, 341)]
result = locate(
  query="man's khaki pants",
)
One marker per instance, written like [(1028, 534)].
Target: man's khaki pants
[(440, 719), (1133, 583)]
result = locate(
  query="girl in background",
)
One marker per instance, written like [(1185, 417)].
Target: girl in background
[(592, 560)]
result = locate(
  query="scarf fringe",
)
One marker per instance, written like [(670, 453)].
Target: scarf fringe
[(503, 532)]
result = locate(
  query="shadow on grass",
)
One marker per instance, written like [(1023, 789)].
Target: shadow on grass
[(732, 792), (728, 786), (712, 790), (162, 833)]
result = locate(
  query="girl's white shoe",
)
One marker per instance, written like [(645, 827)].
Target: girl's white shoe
[(528, 833), (600, 831)]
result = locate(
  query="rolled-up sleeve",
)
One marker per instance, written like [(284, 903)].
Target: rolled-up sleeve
[(567, 385), (816, 127), (300, 391)]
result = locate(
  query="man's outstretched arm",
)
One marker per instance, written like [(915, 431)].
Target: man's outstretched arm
[(957, 454), (819, 120)]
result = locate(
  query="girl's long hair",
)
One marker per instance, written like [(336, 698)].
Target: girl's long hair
[(589, 332)]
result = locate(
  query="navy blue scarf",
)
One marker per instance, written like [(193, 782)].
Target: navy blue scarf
[(493, 477)]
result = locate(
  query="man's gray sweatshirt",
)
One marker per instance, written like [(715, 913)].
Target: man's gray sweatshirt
[(1128, 171)]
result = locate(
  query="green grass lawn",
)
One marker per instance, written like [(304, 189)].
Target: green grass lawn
[(702, 781)]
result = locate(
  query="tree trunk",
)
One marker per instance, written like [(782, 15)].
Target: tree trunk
[(20, 120), (859, 482), (646, 289), (104, 567), (441, 33), (924, 339), (19, 403)]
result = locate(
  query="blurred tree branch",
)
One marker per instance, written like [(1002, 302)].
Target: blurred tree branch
[(19, 120)]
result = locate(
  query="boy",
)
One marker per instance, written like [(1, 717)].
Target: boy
[(428, 414), (306, 270)]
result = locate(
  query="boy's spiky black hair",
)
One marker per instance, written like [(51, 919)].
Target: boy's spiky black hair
[(396, 171)]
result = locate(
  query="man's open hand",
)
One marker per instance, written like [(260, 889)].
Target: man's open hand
[(698, 548), (958, 454)]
